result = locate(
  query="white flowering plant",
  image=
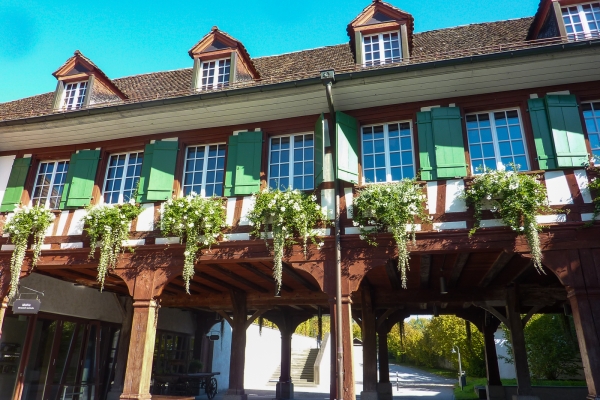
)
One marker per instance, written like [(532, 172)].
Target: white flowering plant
[(108, 226), (391, 207), (198, 222), (517, 198), (290, 215), (26, 222), (594, 187)]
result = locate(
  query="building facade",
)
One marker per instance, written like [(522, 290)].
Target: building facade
[(437, 106)]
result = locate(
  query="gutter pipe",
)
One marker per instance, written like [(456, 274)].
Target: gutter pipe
[(328, 78)]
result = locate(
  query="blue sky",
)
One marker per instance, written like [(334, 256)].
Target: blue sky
[(130, 37)]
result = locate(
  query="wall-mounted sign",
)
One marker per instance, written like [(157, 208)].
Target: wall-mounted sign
[(26, 306)]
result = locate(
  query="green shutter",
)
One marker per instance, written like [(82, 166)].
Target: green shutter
[(242, 175), (567, 131), (81, 175), (448, 141), (158, 171), (542, 135), (346, 154), (230, 167), (319, 150), (426, 146), (142, 192), (15, 185)]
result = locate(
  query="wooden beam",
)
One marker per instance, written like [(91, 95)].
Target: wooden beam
[(425, 270), (217, 281), (523, 273), (459, 265), (256, 314), (299, 278), (501, 261), (237, 278), (226, 316), (256, 300), (261, 274), (530, 313), (393, 275)]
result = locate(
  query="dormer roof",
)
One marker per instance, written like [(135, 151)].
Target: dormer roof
[(217, 42), (382, 14), (79, 65)]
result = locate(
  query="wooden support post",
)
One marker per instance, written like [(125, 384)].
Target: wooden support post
[(578, 271), (491, 357), (347, 344), (517, 339), (141, 351), (384, 386), (285, 387), (144, 284), (238, 347), (122, 351), (4, 285), (369, 338)]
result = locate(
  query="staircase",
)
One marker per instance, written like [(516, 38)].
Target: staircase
[(303, 373)]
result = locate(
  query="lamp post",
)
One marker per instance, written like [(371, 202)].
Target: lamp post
[(462, 381)]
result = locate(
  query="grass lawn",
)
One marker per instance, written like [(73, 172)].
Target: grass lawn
[(469, 393)]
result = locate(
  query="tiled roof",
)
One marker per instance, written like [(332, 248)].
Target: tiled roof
[(438, 44)]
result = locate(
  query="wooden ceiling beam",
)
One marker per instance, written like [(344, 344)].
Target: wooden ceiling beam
[(393, 275), (459, 265), (501, 261), (232, 275), (217, 281), (261, 274), (255, 300), (289, 270), (425, 270)]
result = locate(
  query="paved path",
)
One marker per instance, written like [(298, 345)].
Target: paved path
[(414, 384), (417, 384)]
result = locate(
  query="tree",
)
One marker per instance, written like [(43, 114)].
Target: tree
[(552, 351)]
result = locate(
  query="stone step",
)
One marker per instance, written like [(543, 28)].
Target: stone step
[(302, 368)]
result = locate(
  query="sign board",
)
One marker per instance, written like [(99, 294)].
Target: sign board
[(26, 306)]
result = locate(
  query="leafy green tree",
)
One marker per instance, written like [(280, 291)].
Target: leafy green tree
[(552, 351)]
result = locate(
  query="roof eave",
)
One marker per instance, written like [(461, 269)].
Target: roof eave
[(308, 81)]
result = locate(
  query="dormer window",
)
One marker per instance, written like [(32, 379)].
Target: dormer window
[(582, 21), (74, 95), (382, 48), (215, 74)]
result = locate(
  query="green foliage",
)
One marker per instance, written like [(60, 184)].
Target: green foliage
[(428, 342), (517, 198), (198, 222), (594, 187), (290, 215), (108, 225), (391, 207), (26, 222), (552, 349)]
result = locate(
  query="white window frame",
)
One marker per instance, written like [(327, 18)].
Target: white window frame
[(382, 58), (597, 133), (497, 156), (79, 95), (45, 201), (124, 177), (216, 84), (291, 159), (204, 168), (386, 144), (587, 33)]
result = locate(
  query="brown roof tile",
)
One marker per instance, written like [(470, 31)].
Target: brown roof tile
[(438, 44)]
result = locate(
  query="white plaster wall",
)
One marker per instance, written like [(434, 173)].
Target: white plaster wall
[(64, 298), (507, 371), (6, 164), (176, 320), (221, 355), (263, 354)]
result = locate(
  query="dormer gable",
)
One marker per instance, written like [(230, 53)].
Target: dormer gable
[(381, 34), (81, 83), (570, 19), (219, 61)]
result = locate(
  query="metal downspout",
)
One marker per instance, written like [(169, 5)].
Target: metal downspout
[(328, 77)]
